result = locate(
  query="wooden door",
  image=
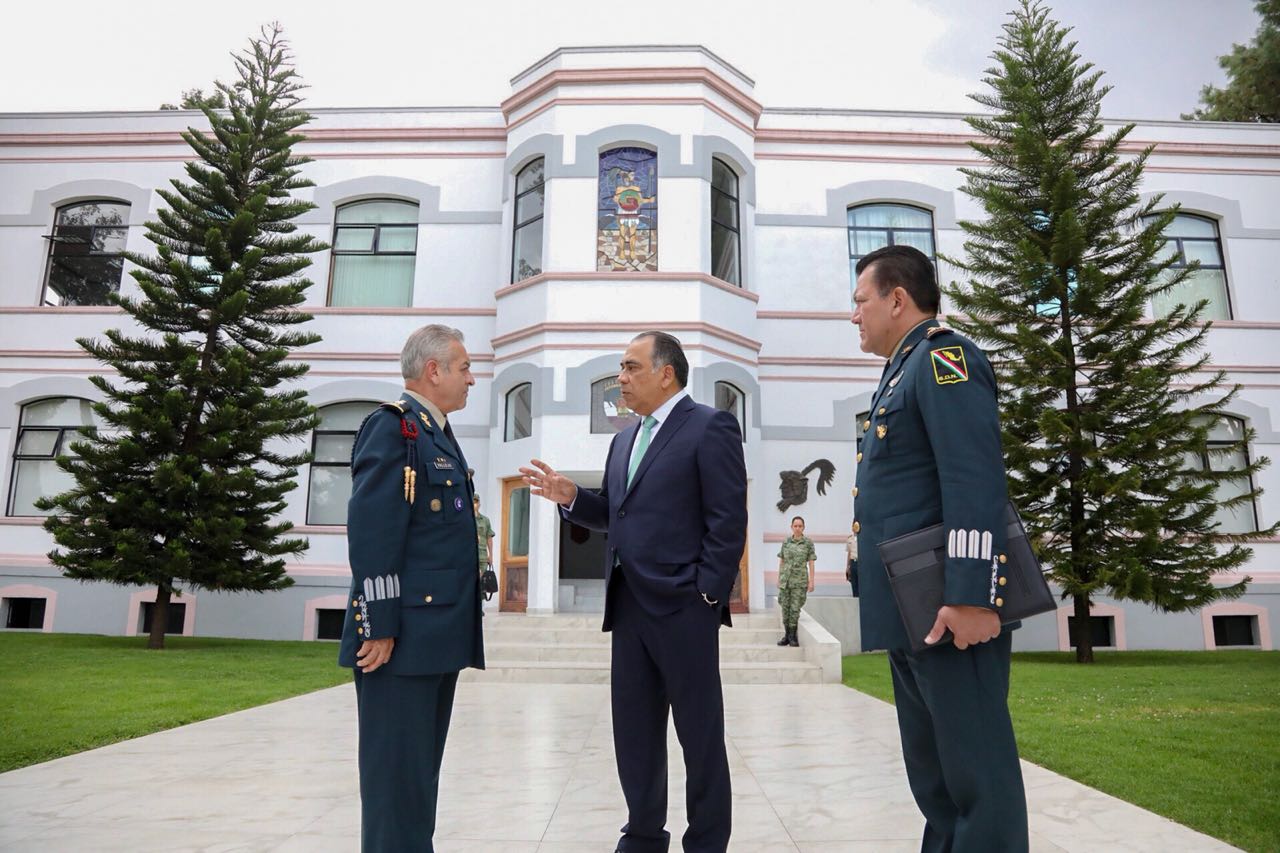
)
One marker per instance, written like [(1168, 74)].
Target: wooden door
[(738, 597), (513, 576)]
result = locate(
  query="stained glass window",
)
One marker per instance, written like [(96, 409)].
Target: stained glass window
[(627, 235)]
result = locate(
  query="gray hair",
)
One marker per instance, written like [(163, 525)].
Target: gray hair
[(430, 343)]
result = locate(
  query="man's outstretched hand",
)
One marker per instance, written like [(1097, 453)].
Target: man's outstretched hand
[(969, 625), (543, 481)]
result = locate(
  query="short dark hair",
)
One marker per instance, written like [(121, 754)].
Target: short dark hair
[(667, 350), (799, 518), (905, 267)]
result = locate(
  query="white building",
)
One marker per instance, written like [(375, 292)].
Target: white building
[(490, 219)]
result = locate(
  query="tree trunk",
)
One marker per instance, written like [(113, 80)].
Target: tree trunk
[(1084, 637), (159, 617)]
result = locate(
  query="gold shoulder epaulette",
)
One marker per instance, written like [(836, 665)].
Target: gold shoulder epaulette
[(397, 405), (938, 330)]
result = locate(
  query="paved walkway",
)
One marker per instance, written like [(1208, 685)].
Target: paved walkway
[(529, 767)]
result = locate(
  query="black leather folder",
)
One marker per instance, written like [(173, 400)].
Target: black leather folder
[(915, 563)]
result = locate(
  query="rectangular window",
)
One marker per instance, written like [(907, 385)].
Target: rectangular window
[(375, 244), (329, 624), (177, 617), (24, 613), (1235, 631), (1101, 630)]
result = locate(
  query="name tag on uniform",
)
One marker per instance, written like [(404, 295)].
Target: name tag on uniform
[(442, 464)]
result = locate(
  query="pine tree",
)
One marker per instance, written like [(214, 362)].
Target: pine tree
[(1253, 73), (1101, 403), (185, 483)]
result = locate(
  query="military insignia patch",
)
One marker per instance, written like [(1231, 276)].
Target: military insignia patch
[(435, 504), (949, 365), (426, 420)]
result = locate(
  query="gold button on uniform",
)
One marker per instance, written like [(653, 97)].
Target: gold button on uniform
[(859, 457), (355, 603), (1003, 581), (866, 424), (448, 482), (427, 599), (360, 630), (855, 491), (1003, 558), (999, 602), (881, 412), (857, 527), (358, 617)]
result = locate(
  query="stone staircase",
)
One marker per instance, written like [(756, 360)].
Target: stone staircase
[(570, 648)]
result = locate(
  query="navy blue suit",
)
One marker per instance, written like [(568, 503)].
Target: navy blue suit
[(412, 548), (676, 534)]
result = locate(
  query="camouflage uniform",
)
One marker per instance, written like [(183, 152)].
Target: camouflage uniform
[(793, 578), (484, 532)]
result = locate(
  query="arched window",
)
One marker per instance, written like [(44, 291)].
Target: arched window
[(608, 413), (331, 443), (726, 251), (46, 429), (874, 226), (1195, 238), (374, 246), (86, 253), (729, 398), (526, 240), (1227, 453), (519, 414), (627, 204)]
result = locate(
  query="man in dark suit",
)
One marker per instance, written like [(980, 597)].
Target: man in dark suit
[(674, 503), (931, 454), (414, 619)]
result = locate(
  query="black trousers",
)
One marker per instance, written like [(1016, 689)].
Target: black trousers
[(958, 745), (403, 722), (662, 662)]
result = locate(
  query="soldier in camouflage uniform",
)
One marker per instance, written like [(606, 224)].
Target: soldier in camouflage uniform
[(794, 582), (484, 536)]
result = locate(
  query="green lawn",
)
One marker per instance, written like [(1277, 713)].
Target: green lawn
[(64, 693), (1193, 736)]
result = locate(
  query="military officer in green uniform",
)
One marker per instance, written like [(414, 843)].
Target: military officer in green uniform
[(484, 536), (794, 582), (931, 454), (414, 619)]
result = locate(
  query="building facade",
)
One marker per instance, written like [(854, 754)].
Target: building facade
[(615, 190)]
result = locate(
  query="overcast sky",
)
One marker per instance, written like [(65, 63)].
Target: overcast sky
[(72, 55)]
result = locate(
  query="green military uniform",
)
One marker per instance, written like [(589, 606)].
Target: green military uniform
[(484, 532), (931, 454), (793, 578), (410, 529)]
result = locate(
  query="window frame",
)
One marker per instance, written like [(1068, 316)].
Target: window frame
[(1181, 261), (376, 227), (59, 443), (315, 435), (53, 239), (516, 225), (736, 228), (741, 413), (1244, 448), (507, 419), (932, 231)]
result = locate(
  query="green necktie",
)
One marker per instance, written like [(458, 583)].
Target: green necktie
[(641, 446)]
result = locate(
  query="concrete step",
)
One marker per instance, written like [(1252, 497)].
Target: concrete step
[(600, 652), (578, 672), (511, 633)]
